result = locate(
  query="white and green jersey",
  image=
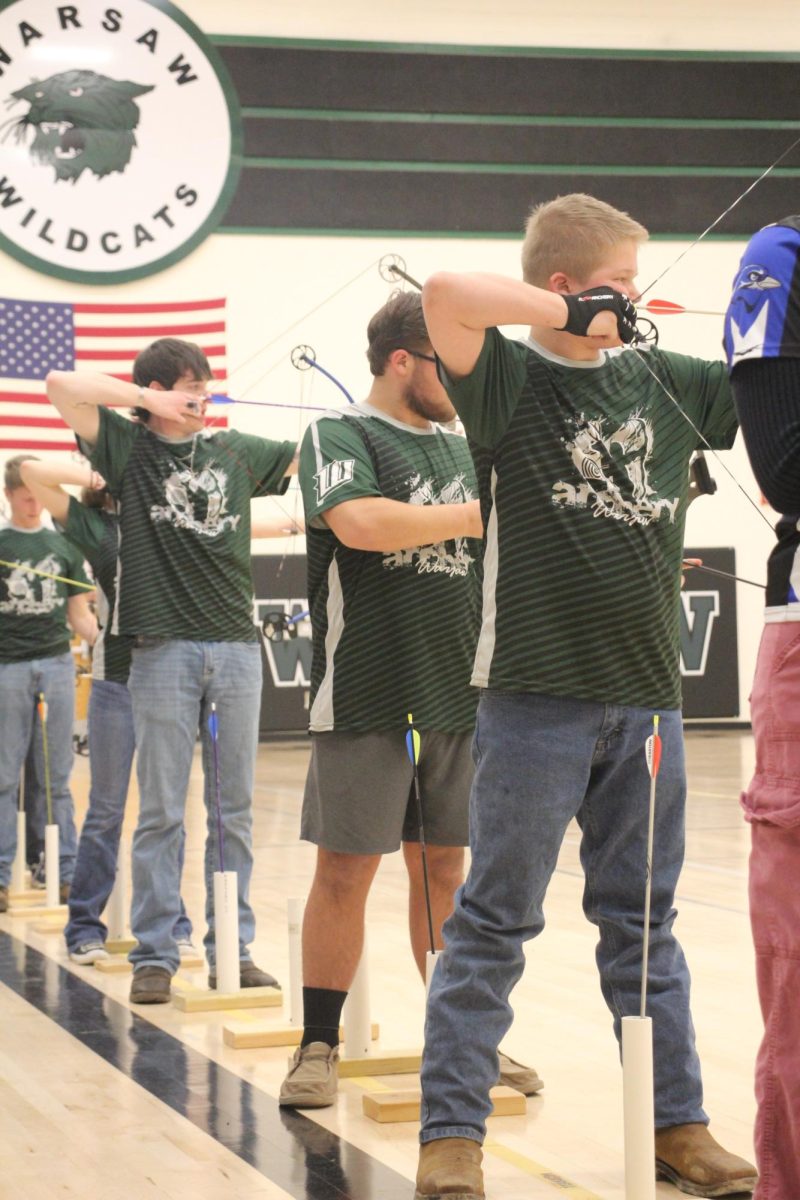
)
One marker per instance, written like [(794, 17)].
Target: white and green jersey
[(583, 475), (184, 512), (393, 632), (96, 534), (33, 606)]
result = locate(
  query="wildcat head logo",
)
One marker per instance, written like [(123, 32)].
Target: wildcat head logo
[(29, 593), (116, 126), (612, 468), (82, 121), (196, 500)]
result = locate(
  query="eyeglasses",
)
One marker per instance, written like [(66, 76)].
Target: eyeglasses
[(419, 354)]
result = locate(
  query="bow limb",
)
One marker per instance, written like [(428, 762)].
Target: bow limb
[(642, 358), (722, 215)]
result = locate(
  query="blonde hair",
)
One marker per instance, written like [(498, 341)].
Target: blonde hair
[(573, 234), (11, 475)]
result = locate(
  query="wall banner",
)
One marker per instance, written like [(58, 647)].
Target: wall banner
[(709, 645), (280, 589), (121, 141)]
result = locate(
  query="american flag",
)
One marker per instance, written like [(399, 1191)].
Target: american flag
[(37, 336)]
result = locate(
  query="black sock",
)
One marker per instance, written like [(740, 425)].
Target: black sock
[(322, 1012)]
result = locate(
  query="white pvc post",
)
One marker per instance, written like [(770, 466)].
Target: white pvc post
[(226, 930), (18, 869), (357, 1026), (431, 959), (116, 913), (295, 913), (638, 1108), (51, 865)]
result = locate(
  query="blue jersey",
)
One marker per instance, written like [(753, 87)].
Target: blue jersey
[(763, 316)]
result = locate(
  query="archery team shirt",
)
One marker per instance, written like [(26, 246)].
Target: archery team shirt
[(393, 632), (583, 476), (763, 315), (762, 322), (184, 511), (96, 534), (33, 608)]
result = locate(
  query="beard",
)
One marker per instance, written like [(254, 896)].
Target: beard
[(431, 408)]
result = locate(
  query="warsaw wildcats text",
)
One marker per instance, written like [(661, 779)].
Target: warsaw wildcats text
[(111, 241)]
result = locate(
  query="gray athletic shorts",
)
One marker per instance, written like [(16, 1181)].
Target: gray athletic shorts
[(359, 796)]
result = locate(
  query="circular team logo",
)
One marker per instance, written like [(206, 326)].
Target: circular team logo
[(120, 142)]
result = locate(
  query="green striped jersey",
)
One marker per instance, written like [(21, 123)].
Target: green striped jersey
[(583, 475), (184, 511), (96, 534), (33, 607), (393, 632)]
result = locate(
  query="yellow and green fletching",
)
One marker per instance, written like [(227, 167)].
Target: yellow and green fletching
[(412, 742)]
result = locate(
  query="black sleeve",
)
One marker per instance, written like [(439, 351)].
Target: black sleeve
[(767, 396)]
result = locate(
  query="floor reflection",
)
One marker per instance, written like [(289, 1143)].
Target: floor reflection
[(288, 1148)]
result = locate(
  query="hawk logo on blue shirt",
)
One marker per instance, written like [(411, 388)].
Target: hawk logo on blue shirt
[(760, 320), (749, 311)]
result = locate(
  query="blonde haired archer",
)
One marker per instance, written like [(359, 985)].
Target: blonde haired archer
[(573, 234)]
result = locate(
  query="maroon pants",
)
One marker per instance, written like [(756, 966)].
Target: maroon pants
[(772, 803)]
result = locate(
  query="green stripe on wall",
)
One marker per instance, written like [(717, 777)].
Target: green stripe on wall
[(439, 48), (423, 118)]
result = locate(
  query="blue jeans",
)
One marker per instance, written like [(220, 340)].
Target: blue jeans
[(540, 761), (173, 684), (111, 746), (20, 685)]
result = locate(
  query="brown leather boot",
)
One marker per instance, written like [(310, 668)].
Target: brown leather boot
[(450, 1169), (689, 1157)]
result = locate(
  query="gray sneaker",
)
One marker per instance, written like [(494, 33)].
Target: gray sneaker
[(89, 953), (312, 1079)]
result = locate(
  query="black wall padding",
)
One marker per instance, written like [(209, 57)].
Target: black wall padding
[(610, 86), (568, 145), (446, 203), (489, 196)]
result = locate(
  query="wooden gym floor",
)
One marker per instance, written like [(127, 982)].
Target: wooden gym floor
[(102, 1102)]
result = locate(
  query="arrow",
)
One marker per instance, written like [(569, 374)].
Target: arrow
[(219, 398), (90, 587), (213, 729), (413, 748), (42, 710), (652, 749), (687, 562), (668, 308)]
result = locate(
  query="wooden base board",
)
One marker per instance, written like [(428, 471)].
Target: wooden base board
[(394, 1107), (251, 1035), (33, 913), (115, 964), (54, 925), (27, 902), (31, 895), (119, 964), (191, 999), (390, 1062), (120, 945)]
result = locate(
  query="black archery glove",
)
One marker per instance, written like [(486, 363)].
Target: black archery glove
[(583, 308)]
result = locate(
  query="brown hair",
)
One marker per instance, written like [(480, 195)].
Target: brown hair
[(12, 477), (399, 325), (164, 361), (572, 234)]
